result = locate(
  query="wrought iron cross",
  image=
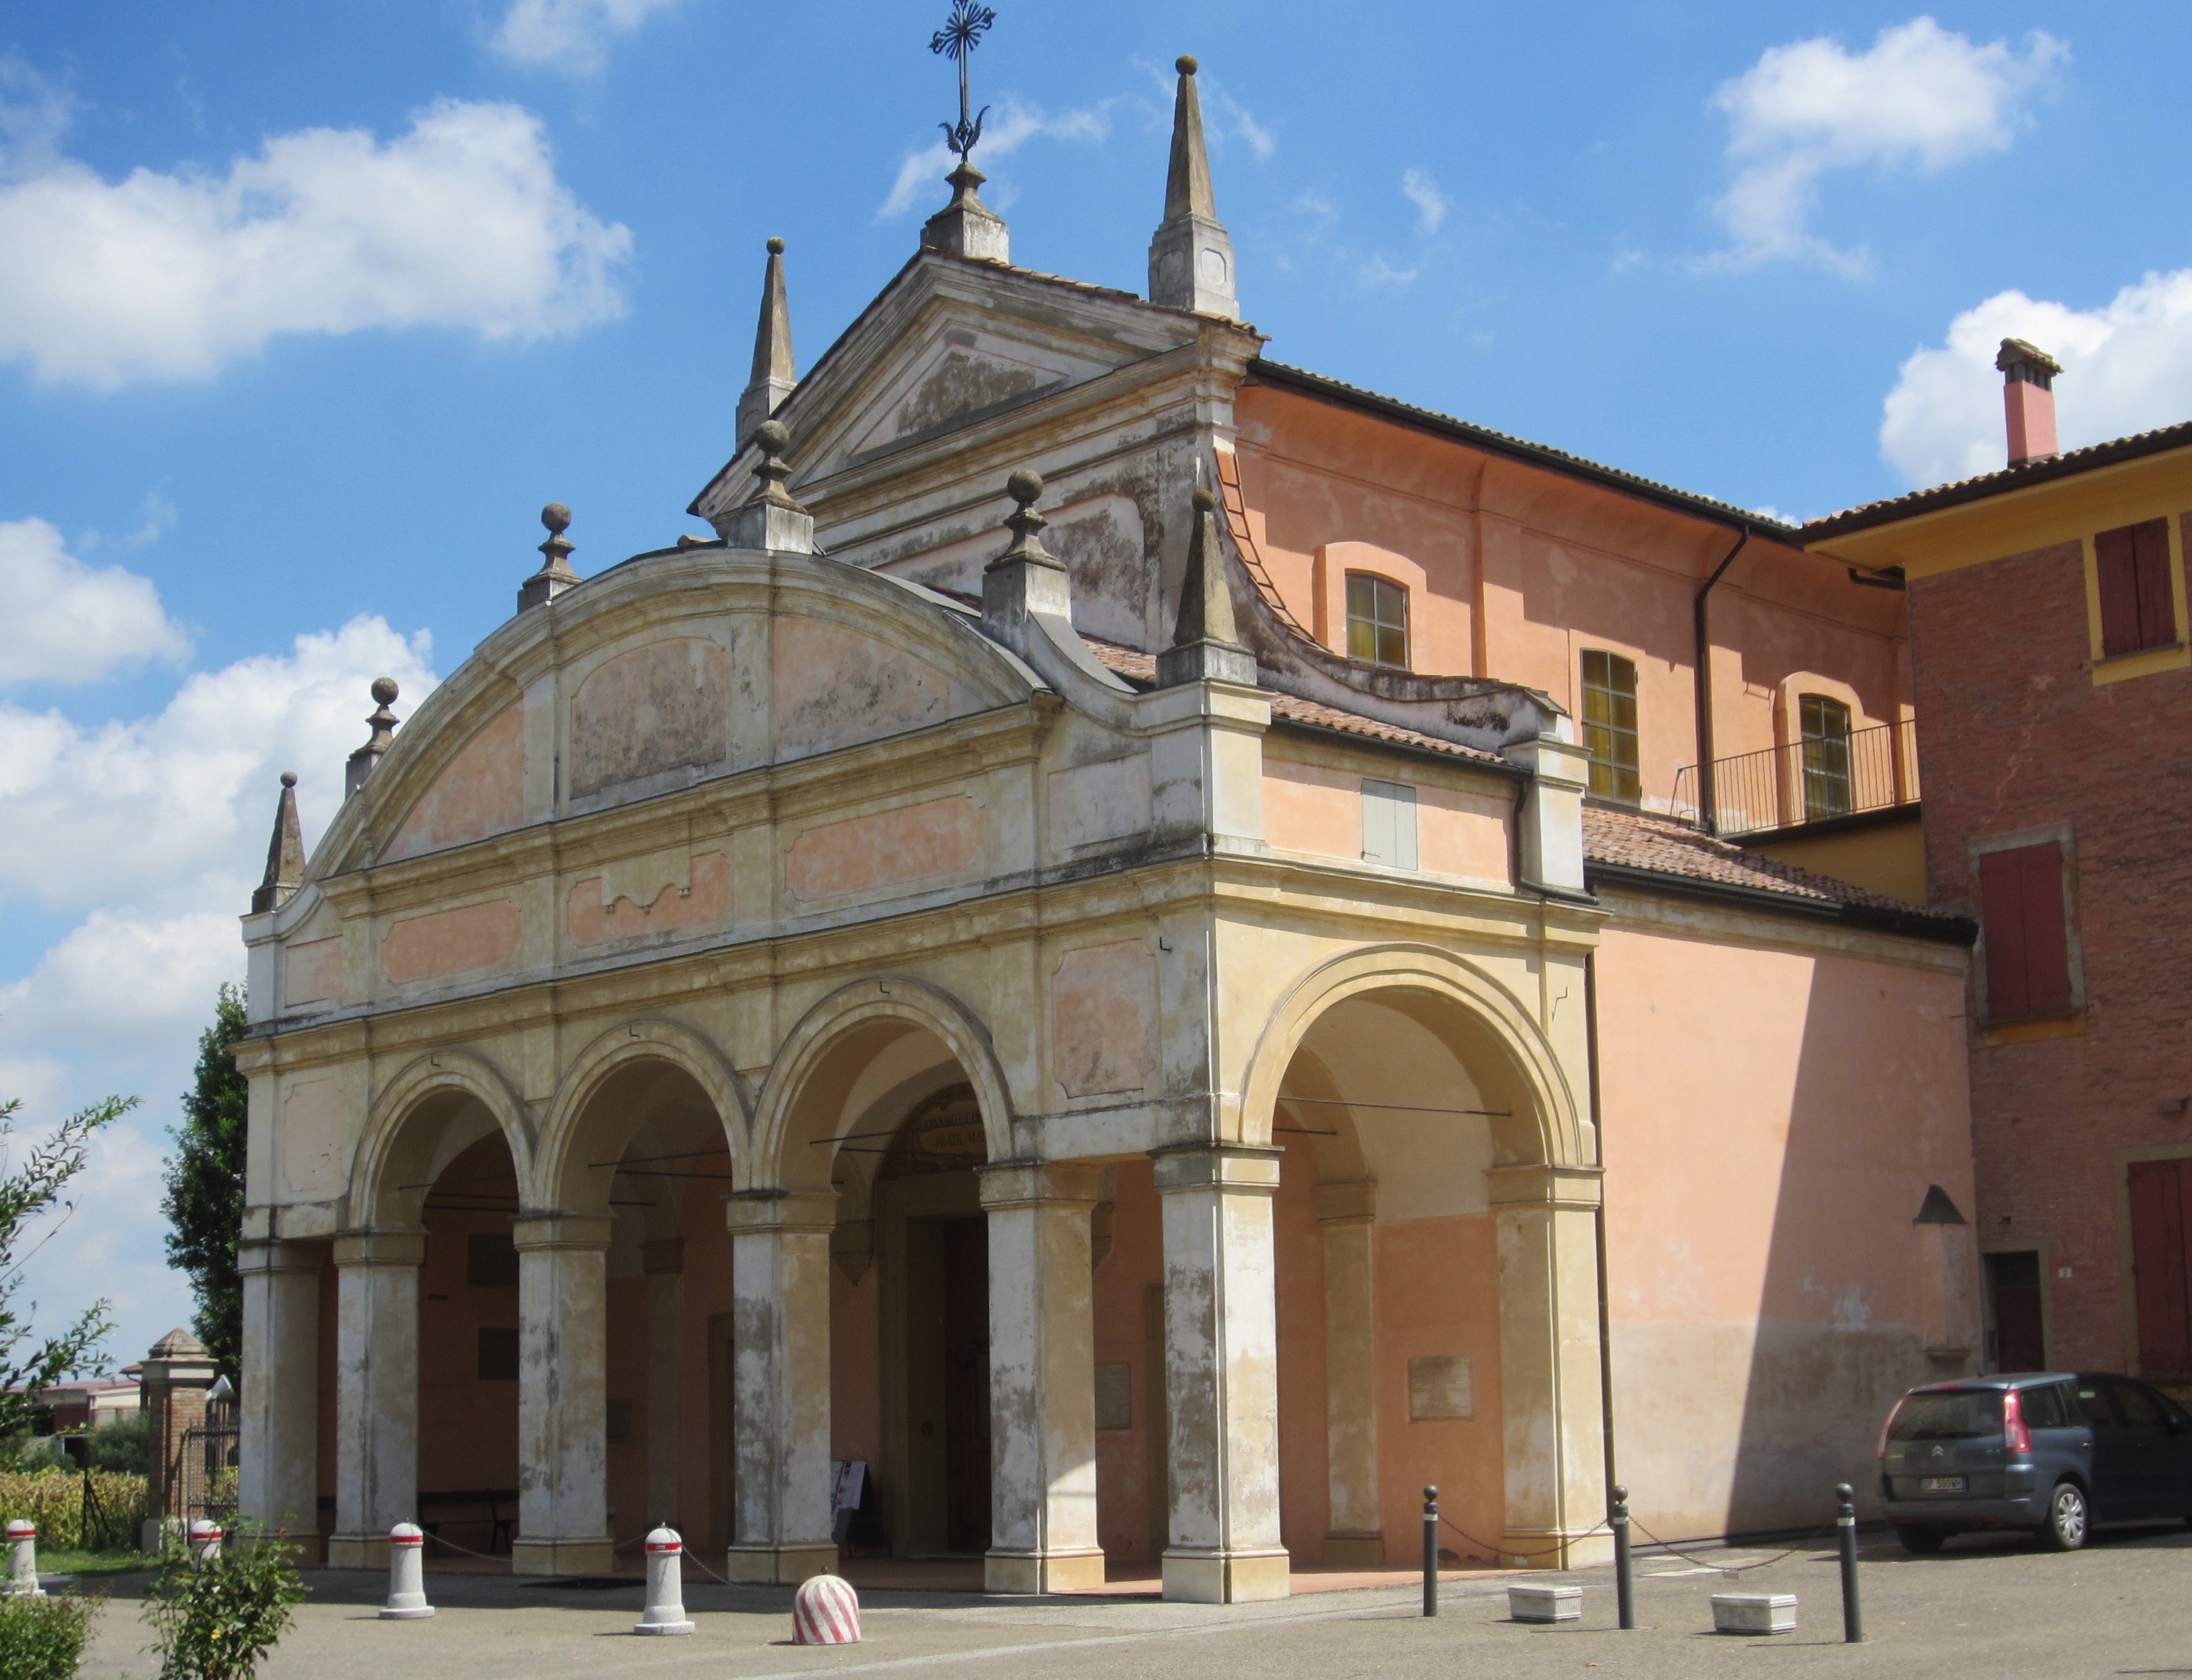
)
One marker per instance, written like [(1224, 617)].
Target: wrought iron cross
[(962, 33)]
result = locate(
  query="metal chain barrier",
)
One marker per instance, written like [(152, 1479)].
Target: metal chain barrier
[(1804, 1544), (1496, 1552)]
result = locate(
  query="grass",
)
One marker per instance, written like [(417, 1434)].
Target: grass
[(86, 1565)]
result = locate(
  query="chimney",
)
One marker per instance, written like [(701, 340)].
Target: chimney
[(2028, 400)]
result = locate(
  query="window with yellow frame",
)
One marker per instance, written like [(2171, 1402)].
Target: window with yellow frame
[(2135, 603)]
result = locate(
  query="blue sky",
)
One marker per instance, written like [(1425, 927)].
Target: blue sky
[(305, 311)]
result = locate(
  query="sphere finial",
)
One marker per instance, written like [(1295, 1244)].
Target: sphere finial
[(1024, 486), (773, 436), (556, 517), (775, 247), (1204, 501), (288, 778), (384, 691), (1184, 64)]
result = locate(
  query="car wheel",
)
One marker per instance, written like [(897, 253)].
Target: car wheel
[(1923, 1541), (2067, 1519)]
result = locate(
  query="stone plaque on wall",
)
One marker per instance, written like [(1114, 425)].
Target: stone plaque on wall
[(1440, 1386), (1114, 1396)]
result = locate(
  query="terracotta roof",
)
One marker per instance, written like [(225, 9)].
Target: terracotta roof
[(2075, 461), (1637, 841), (1519, 448)]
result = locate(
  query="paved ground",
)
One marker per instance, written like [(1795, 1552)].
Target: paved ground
[(1990, 1608)]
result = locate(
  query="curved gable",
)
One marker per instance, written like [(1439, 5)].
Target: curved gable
[(479, 792)]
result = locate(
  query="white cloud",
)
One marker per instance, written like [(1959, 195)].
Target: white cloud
[(117, 974), (921, 176), (1421, 191), (169, 813), (2126, 368), (570, 34), (1921, 96), (459, 222), (67, 622), (1261, 140)]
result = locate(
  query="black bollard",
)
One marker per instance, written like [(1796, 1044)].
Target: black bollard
[(1430, 1552), (1624, 1587), (1846, 1522)]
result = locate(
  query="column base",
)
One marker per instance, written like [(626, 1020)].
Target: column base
[(1043, 1571), (563, 1557), (1547, 1550), (1225, 1577), (357, 1552), (1354, 1551), (780, 1565)]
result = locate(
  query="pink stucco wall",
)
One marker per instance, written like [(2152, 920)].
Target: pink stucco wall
[(1773, 1118)]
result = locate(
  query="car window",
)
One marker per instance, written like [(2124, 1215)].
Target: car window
[(2137, 1405), (2093, 1404), (1951, 1415), (2171, 1411), (2041, 1405)]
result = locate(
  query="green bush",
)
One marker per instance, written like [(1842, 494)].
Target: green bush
[(122, 1443), (54, 1500), (216, 1620), (44, 1638)]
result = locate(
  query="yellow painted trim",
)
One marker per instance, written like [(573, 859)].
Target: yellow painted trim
[(2018, 521), (2149, 661)]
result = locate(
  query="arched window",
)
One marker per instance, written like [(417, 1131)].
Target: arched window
[(1377, 620), (1609, 726), (1826, 726)]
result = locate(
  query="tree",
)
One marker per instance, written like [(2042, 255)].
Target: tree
[(205, 1203), (27, 1193)]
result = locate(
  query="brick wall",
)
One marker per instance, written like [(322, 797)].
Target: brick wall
[(2013, 735)]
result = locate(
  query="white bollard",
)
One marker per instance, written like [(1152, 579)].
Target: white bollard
[(665, 1585), (205, 1538), (23, 1564), (407, 1575), (825, 1611)]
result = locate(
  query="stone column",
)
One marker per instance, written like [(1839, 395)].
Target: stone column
[(780, 1361), (1551, 1403), (277, 1475), (376, 1392), (172, 1388), (1222, 1374), (1346, 1216), (562, 1396), (663, 1262), (1043, 1381)]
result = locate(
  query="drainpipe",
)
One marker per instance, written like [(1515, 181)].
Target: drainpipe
[(1598, 1215), (1708, 798)]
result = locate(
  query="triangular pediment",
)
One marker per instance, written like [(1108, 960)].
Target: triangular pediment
[(948, 345)]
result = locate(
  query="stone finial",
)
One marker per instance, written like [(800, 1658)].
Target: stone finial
[(1205, 645), (967, 227), (772, 517), (366, 759), (554, 575), (1026, 577), (1191, 257), (285, 852), (774, 375)]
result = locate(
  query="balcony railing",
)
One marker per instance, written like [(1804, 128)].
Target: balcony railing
[(1809, 781)]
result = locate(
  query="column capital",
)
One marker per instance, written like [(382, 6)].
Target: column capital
[(1353, 1203), (785, 1210), (1244, 1168), (379, 1248), (664, 1258), (1018, 1184), (562, 1230), (1557, 1188), (276, 1253)]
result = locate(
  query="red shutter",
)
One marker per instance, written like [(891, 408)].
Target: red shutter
[(2161, 1258), (2001, 912), (2157, 613), (2116, 562), (2047, 940)]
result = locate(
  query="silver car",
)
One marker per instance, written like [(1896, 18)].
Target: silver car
[(2055, 1453)]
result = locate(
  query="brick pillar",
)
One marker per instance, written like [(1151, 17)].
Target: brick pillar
[(176, 1377)]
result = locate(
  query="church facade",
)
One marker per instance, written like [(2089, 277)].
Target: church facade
[(1108, 952)]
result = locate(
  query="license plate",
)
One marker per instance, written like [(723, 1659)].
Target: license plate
[(1943, 1484)]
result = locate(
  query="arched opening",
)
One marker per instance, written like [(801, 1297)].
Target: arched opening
[(1398, 1108), (642, 1171)]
